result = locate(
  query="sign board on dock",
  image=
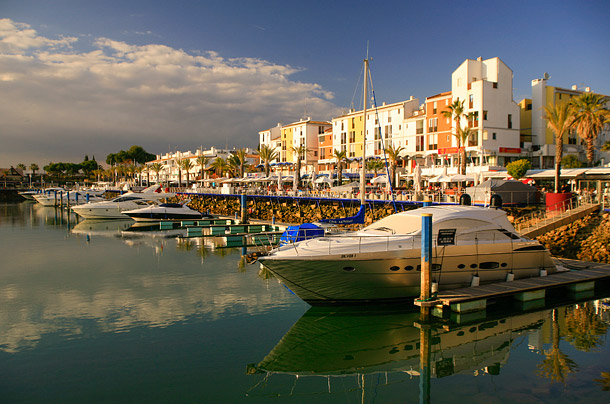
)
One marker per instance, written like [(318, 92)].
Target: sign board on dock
[(446, 237)]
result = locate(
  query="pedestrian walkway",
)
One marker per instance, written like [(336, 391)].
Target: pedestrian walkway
[(554, 219)]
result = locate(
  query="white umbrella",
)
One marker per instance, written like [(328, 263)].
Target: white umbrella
[(382, 179), (323, 180), (417, 178)]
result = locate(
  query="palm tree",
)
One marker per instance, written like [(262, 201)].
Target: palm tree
[(156, 167), (267, 154), (233, 165), (557, 365), (455, 111), (559, 119), (300, 153), (241, 160), (220, 166), (178, 163), (394, 155), (34, 167), (202, 161), (462, 137), (590, 116), (375, 165), (340, 156), (187, 165)]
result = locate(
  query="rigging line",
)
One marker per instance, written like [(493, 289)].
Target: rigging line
[(357, 86), (385, 157)]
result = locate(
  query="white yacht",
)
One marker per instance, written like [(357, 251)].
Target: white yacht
[(64, 197), (114, 208), (166, 212), (382, 261)]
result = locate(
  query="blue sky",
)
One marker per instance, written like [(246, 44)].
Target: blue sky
[(94, 77)]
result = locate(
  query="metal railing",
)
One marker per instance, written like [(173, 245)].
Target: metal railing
[(351, 244), (553, 213)]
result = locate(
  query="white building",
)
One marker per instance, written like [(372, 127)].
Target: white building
[(486, 87)]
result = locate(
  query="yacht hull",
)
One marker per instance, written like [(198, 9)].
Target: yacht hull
[(394, 275)]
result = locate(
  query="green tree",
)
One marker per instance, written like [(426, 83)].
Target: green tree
[(375, 166), (559, 119), (590, 116), (341, 157), (463, 135), (517, 169), (606, 146), (220, 166), (267, 155), (571, 161)]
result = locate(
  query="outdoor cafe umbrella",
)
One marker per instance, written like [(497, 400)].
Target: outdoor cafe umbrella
[(417, 178), (382, 179), (323, 180)]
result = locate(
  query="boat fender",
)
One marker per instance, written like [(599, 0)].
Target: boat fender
[(543, 272), (510, 277), (475, 281)]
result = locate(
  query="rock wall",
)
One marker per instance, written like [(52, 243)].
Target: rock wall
[(286, 211), (586, 239)]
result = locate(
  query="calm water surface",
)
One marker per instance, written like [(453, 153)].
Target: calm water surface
[(92, 313)]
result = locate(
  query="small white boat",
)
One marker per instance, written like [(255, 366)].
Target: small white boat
[(166, 211), (382, 261)]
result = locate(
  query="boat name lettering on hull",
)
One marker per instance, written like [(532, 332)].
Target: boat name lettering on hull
[(348, 255)]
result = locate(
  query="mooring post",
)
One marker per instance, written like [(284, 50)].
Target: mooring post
[(87, 197), (61, 198), (426, 253), (424, 363), (427, 203), (244, 208)]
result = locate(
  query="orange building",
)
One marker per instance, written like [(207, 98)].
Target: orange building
[(439, 138)]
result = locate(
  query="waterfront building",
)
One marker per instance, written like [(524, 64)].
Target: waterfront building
[(304, 133), (538, 141), (171, 170), (486, 87), (272, 138)]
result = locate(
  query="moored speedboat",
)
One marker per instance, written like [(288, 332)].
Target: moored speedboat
[(166, 211), (381, 262)]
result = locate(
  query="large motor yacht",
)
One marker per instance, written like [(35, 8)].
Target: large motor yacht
[(381, 262), (114, 208)]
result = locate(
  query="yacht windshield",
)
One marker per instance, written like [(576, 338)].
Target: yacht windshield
[(401, 224)]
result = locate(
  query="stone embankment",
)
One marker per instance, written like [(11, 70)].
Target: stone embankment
[(586, 239), (286, 211)]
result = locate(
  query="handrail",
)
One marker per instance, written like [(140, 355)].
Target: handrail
[(553, 213), (378, 240)]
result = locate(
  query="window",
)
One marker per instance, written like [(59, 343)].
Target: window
[(432, 142), (528, 107), (433, 125), (352, 136), (434, 109), (473, 120), (470, 101), (419, 143), (353, 123), (495, 85), (321, 138), (493, 135), (510, 121), (419, 127), (484, 115)]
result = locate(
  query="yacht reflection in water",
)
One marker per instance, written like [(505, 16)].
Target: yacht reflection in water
[(338, 343)]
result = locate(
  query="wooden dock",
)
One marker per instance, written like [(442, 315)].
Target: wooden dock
[(580, 277)]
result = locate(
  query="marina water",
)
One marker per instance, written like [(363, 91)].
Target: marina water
[(96, 312)]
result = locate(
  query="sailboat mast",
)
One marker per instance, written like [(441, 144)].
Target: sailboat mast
[(363, 172)]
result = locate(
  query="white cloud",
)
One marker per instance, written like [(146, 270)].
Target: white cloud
[(65, 103)]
